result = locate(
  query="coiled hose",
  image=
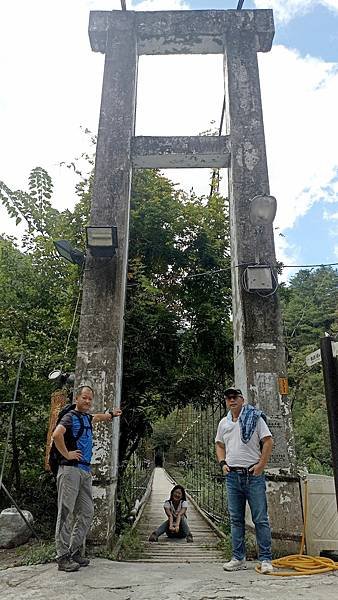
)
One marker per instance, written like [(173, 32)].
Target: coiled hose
[(301, 563)]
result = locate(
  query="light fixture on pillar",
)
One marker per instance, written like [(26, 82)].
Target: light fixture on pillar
[(259, 277), (102, 241), (66, 250), (60, 378), (262, 210)]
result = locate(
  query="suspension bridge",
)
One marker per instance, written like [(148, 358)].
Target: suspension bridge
[(168, 550)]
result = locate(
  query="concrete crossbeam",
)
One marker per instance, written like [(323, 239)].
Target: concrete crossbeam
[(183, 32), (149, 152)]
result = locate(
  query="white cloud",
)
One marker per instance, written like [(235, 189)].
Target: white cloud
[(51, 84), (285, 10), (162, 5), (328, 216), (180, 95), (299, 100)]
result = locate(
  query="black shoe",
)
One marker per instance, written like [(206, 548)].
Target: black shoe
[(153, 537), (190, 538), (80, 560), (67, 564)]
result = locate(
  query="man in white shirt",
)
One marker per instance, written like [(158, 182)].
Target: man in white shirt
[(243, 448)]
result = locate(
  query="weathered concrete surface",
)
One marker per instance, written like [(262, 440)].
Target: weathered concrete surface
[(259, 350), (182, 32), (154, 152), (100, 342), (106, 580)]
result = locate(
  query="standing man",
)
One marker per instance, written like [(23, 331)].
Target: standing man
[(243, 448), (73, 438)]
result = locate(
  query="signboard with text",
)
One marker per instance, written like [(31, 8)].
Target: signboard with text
[(313, 358)]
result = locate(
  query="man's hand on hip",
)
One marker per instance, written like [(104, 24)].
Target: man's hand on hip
[(257, 469), (74, 455)]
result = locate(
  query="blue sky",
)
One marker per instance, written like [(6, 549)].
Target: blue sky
[(51, 83)]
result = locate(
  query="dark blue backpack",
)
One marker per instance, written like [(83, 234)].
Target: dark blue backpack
[(55, 457)]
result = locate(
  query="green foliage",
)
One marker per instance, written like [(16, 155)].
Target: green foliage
[(310, 309), (101, 552), (130, 546), (224, 545), (178, 343), (31, 554), (178, 340), (39, 294), (164, 434)]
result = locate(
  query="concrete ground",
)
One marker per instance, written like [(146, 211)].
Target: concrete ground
[(107, 580)]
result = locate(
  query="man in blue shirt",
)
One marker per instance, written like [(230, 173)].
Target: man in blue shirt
[(73, 438)]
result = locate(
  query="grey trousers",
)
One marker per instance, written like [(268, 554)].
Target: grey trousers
[(75, 509)]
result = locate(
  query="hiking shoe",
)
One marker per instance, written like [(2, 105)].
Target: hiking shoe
[(266, 566), (67, 564), (153, 537), (80, 560), (234, 565), (190, 538)]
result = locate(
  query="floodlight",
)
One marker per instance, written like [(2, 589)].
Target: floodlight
[(262, 210), (66, 250), (102, 241)]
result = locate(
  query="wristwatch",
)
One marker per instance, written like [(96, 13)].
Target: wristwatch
[(222, 463), (109, 411)]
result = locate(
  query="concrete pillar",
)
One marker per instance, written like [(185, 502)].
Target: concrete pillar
[(100, 343), (259, 357)]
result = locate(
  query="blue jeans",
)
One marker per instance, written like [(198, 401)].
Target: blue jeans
[(183, 531), (251, 488)]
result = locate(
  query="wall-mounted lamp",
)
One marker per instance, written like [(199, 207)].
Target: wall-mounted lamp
[(262, 210), (66, 250), (259, 278), (102, 241), (60, 378)]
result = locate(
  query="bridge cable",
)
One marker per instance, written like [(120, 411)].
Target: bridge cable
[(214, 186)]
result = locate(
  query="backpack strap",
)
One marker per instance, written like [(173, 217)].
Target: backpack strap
[(82, 426)]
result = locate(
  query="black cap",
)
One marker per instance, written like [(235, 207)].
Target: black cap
[(232, 390)]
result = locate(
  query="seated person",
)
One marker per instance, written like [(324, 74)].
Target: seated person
[(176, 511)]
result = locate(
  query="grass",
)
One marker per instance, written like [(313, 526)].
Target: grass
[(127, 547), (102, 552), (131, 546), (32, 554), (225, 547)]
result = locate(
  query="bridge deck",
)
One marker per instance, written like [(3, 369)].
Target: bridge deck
[(203, 549)]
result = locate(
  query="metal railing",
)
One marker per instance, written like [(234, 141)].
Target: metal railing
[(193, 463), (133, 485)]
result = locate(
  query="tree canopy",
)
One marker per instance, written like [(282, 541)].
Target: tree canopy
[(178, 340), (178, 332), (310, 308)]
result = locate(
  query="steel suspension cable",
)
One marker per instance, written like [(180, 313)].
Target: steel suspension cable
[(214, 186)]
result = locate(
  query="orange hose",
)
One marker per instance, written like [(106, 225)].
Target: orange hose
[(301, 563)]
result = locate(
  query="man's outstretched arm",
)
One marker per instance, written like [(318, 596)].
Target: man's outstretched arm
[(108, 416)]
